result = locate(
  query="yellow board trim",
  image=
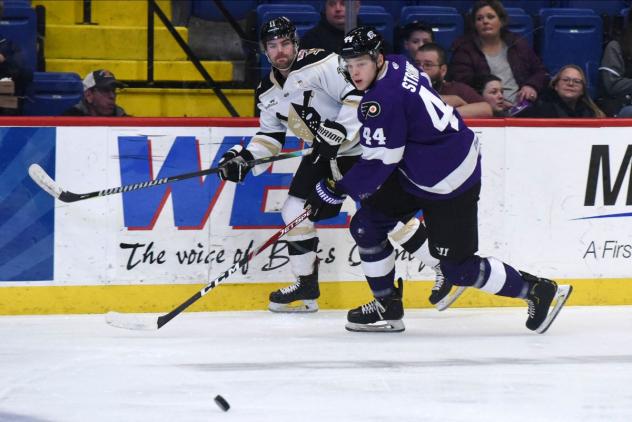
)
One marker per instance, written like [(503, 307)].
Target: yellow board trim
[(247, 297)]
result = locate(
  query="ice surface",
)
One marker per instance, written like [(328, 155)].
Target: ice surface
[(459, 365)]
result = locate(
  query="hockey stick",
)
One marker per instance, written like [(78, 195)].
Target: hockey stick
[(44, 181), (140, 322)]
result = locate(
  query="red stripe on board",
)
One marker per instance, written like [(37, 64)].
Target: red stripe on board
[(254, 122), (130, 121)]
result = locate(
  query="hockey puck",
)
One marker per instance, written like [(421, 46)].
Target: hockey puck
[(222, 403)]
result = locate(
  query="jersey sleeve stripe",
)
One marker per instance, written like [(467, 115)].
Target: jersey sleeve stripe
[(457, 177), (278, 137), (385, 155)]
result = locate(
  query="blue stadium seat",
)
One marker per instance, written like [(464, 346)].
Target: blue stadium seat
[(206, 9), (379, 18), (462, 6), (318, 5), (546, 12), (393, 7), (304, 16), (52, 93), (13, 3), (18, 24), (573, 39), (372, 9), (531, 7), (446, 22), (601, 7), (520, 23)]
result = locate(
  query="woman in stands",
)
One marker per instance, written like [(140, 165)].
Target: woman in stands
[(616, 74), (492, 49), (567, 97)]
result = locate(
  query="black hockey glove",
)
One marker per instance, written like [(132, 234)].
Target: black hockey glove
[(328, 138), (325, 201), (234, 164)]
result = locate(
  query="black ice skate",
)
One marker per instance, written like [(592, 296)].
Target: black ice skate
[(440, 295), (542, 294), (381, 315), (304, 292)]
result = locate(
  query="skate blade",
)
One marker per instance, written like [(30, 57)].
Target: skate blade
[(447, 301), (297, 307), (387, 326), (561, 296)]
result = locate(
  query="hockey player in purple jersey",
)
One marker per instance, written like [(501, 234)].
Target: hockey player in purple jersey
[(417, 155)]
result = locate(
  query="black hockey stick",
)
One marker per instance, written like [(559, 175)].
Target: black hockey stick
[(44, 181), (143, 322)]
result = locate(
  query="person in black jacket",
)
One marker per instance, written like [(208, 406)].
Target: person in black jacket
[(330, 31), (567, 97), (99, 96), (616, 74)]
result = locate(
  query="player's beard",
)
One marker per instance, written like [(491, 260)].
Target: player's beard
[(437, 82), (286, 64)]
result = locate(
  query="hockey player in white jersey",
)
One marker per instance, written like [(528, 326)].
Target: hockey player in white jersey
[(305, 93)]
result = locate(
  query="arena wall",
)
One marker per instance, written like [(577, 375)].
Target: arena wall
[(555, 201)]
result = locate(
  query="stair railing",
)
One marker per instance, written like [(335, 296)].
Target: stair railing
[(153, 8)]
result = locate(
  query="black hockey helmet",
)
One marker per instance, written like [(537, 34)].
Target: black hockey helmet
[(280, 27), (275, 28), (358, 42), (362, 40)]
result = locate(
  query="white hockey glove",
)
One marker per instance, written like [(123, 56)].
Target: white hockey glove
[(234, 164), (327, 141)]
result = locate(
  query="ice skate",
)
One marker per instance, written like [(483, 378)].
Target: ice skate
[(298, 297), (440, 295), (381, 315), (542, 294)]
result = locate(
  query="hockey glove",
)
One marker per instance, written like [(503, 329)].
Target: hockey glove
[(234, 164), (325, 201), (328, 138)]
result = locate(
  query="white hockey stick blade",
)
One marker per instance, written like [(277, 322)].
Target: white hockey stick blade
[(132, 321), (561, 296), (44, 181), (447, 301)]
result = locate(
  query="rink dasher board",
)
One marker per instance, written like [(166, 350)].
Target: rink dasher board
[(543, 208)]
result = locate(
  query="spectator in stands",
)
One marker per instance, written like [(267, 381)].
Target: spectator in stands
[(99, 96), (491, 89), (415, 34), (330, 31), (430, 58), (616, 74), (12, 68), (567, 97), (492, 49)]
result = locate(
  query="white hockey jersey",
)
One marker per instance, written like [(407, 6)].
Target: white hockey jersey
[(315, 90)]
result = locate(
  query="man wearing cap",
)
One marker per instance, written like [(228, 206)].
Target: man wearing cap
[(99, 96)]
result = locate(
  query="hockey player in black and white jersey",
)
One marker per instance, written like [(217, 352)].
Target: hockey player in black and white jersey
[(305, 93)]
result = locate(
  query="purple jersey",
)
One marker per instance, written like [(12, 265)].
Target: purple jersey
[(407, 128)]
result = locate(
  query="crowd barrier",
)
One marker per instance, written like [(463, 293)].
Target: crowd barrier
[(555, 201)]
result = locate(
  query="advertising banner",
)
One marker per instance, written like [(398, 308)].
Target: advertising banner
[(555, 201)]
